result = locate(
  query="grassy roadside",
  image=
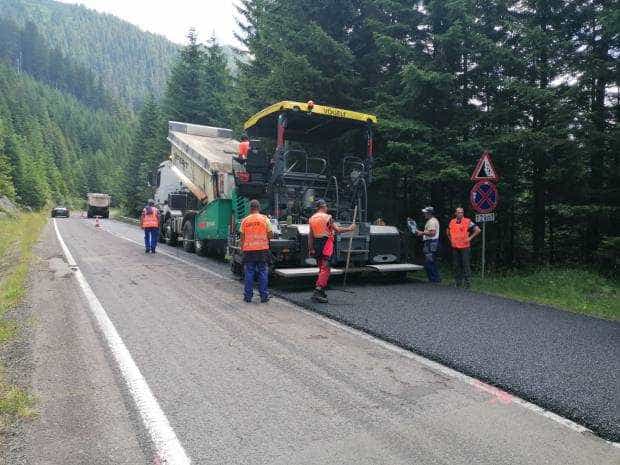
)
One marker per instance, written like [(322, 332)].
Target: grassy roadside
[(576, 290), (17, 238)]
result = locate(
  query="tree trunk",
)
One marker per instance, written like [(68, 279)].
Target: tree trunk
[(539, 216)]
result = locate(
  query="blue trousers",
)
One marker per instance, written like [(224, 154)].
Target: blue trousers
[(430, 249), (251, 268), (151, 235)]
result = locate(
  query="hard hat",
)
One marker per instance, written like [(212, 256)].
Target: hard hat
[(320, 204)]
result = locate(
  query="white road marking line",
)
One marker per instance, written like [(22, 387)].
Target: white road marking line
[(438, 367), (168, 448)]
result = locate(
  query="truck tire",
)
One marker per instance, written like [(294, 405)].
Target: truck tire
[(169, 234), (188, 237), (201, 247), (220, 252)]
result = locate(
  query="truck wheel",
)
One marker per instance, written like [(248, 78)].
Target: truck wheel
[(188, 237), (201, 247), (170, 235)]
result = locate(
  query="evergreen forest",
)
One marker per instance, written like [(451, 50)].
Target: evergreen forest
[(533, 82)]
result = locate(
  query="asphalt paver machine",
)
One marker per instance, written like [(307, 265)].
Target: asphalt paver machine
[(301, 152)]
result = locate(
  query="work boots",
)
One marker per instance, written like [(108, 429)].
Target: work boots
[(319, 295)]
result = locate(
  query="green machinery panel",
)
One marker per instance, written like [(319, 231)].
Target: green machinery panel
[(241, 207), (212, 222)]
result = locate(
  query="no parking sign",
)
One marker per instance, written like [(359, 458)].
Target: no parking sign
[(484, 197)]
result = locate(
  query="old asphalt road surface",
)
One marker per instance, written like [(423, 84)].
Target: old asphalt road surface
[(154, 359)]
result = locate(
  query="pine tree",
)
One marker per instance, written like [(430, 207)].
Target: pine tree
[(148, 151), (184, 100), (7, 188), (217, 86), (30, 185), (299, 52)]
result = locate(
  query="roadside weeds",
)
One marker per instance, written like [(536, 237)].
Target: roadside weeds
[(581, 291), (18, 235)]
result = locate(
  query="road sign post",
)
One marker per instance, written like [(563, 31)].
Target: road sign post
[(484, 197), (484, 244)]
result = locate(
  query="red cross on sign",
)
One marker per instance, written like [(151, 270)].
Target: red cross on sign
[(484, 197)]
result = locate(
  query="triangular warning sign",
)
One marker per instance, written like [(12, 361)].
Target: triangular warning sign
[(485, 170)]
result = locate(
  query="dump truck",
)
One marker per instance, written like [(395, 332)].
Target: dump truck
[(98, 205), (194, 188)]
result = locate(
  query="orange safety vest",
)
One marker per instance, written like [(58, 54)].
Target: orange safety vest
[(152, 220), (320, 225), (244, 148), (459, 233), (254, 229)]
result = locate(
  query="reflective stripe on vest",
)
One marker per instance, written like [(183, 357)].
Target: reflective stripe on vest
[(254, 229), (150, 220), (319, 223), (459, 233)]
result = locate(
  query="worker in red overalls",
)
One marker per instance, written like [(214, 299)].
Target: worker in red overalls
[(321, 245)]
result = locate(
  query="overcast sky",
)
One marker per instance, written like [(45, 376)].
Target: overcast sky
[(173, 18)]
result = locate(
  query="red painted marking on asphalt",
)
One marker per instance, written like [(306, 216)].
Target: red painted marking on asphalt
[(498, 395)]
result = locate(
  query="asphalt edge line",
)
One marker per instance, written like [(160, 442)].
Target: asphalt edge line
[(167, 445), (474, 382)]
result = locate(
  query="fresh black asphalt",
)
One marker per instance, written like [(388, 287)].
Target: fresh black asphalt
[(561, 361)]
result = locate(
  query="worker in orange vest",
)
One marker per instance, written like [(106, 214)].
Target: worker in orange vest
[(461, 231), (149, 221), (244, 149), (321, 246), (255, 232)]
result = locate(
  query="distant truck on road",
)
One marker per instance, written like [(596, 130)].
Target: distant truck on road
[(98, 205)]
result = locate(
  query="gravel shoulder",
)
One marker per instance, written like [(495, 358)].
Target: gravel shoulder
[(82, 412)]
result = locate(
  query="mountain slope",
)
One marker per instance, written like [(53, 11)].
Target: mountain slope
[(130, 62), (54, 148), (25, 50)]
